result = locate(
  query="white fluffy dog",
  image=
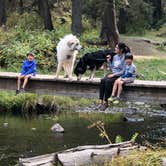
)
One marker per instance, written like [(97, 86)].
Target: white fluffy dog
[(67, 49)]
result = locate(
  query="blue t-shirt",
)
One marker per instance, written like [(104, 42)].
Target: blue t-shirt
[(28, 67), (130, 71)]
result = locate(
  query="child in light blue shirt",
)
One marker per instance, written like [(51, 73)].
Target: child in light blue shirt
[(128, 76)]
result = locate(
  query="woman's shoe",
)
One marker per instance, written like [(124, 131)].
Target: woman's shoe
[(104, 107), (98, 107)]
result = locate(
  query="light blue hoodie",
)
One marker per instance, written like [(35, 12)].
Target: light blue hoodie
[(117, 66)]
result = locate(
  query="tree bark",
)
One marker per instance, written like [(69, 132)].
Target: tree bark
[(109, 31), (2, 13), (45, 13), (76, 26), (158, 10), (122, 20), (21, 6)]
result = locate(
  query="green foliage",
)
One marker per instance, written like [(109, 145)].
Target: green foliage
[(139, 16), (27, 103), (152, 69), (118, 139), (134, 137), (26, 34), (25, 21), (14, 52), (22, 103)]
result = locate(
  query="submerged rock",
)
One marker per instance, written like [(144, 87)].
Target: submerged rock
[(139, 103), (57, 128), (133, 119), (164, 161), (5, 124)]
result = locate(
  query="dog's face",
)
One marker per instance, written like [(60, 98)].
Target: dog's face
[(80, 68), (74, 45)]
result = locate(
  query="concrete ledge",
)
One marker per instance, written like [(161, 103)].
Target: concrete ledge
[(143, 91)]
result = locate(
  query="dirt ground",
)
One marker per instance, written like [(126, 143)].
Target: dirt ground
[(142, 47)]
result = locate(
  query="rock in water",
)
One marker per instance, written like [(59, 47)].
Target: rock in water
[(164, 161), (5, 124), (133, 119), (57, 128)]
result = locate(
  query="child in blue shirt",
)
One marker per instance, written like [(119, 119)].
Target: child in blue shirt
[(28, 70), (128, 77)]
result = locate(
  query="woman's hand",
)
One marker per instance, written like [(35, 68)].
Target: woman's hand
[(110, 75), (108, 58)]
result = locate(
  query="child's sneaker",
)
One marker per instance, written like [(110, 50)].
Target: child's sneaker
[(17, 92), (116, 101), (22, 90), (111, 99)]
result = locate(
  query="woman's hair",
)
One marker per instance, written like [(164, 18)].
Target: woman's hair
[(129, 56), (122, 46)]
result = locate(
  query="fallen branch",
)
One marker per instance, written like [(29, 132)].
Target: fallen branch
[(162, 72), (83, 155)]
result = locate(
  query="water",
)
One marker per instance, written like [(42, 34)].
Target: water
[(22, 137)]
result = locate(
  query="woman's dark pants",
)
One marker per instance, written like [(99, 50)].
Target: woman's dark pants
[(106, 86)]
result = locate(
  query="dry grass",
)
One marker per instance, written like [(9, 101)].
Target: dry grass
[(144, 158)]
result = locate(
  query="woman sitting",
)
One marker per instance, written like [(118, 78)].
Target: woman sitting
[(117, 69), (128, 77)]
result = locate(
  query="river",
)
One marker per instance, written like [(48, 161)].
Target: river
[(26, 137)]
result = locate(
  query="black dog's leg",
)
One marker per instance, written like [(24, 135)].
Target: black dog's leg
[(79, 77), (92, 74), (105, 67)]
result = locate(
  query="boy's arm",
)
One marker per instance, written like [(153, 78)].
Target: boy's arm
[(133, 71), (130, 73), (127, 75), (23, 69)]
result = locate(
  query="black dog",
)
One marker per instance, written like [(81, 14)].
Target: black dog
[(93, 61)]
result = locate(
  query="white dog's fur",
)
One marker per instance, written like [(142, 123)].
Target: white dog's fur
[(67, 49)]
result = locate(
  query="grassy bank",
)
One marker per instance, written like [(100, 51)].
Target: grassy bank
[(145, 158), (151, 68), (25, 104)]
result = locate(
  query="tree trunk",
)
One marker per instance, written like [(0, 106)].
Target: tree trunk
[(122, 21), (158, 10), (2, 13), (11, 5), (21, 6), (109, 31), (45, 13), (76, 26)]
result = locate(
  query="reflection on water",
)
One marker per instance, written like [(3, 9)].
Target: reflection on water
[(21, 137)]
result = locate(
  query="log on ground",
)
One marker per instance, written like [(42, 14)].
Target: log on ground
[(83, 155)]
